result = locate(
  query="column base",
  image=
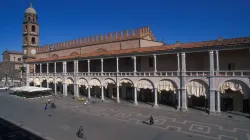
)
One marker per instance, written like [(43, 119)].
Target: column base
[(213, 113), (184, 109), (118, 101), (89, 97), (178, 108), (155, 106), (217, 113), (135, 103)]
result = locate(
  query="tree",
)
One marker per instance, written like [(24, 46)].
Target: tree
[(22, 69)]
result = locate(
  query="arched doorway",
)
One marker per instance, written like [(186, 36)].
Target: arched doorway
[(44, 82), (126, 90), (31, 81), (109, 87), (37, 82), (197, 92), (59, 86), (95, 86), (70, 88), (167, 90), (145, 90), (234, 96), (51, 83), (83, 87)]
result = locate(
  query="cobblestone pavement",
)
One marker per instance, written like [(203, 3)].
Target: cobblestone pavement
[(167, 124)]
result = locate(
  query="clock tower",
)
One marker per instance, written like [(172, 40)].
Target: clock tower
[(30, 33)]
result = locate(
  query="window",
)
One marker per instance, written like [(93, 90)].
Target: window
[(19, 59), (33, 19), (28, 18), (26, 40), (150, 61), (33, 40), (33, 28), (26, 28), (231, 66)]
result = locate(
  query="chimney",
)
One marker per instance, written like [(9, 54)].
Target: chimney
[(220, 38)]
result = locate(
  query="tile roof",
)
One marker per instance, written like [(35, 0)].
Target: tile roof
[(13, 52), (211, 43)]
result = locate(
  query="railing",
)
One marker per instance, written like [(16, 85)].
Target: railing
[(149, 73)]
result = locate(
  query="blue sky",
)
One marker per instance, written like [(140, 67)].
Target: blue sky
[(171, 20)]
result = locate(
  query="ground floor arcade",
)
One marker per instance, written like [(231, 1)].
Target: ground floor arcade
[(230, 95)]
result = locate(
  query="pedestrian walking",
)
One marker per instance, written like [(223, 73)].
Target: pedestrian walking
[(46, 106)]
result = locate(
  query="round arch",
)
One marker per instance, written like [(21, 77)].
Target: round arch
[(144, 84), (234, 85), (37, 81), (197, 87), (125, 80), (108, 81), (58, 80), (69, 81), (50, 80), (82, 82), (31, 80), (43, 79), (95, 82), (167, 85)]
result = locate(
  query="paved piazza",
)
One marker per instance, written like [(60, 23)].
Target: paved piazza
[(106, 121)]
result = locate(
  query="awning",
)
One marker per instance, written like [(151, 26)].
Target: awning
[(82, 82), (108, 81), (37, 82), (234, 86), (69, 81), (196, 88), (51, 80), (125, 81), (58, 80), (166, 85), (144, 84), (95, 82)]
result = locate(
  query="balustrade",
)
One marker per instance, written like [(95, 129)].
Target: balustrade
[(148, 73)]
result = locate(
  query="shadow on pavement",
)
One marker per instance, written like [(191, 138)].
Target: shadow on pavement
[(10, 131)]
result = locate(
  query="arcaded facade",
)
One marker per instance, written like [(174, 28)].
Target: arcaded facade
[(132, 65)]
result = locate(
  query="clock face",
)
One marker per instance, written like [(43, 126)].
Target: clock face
[(25, 51), (33, 51)]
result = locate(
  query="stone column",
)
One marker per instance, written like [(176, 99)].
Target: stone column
[(65, 88), (41, 68), (218, 101), (101, 65), (183, 82), (217, 62), (155, 64), (47, 83), (117, 94), (55, 87), (102, 93), (66, 67), (34, 68), (76, 89), (178, 63), (54, 67), (27, 74), (47, 67), (135, 96), (179, 99), (89, 96), (211, 84), (88, 66), (117, 64), (156, 97), (134, 64)]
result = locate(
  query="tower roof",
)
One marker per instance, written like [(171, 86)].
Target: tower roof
[(30, 10)]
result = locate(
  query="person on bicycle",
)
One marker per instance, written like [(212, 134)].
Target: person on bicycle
[(80, 131)]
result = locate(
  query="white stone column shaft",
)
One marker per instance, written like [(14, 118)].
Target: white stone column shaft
[(217, 61), (117, 94), (27, 74), (101, 65), (89, 95), (41, 68), (102, 88), (54, 67), (117, 64), (179, 99), (178, 62), (156, 97), (55, 88), (211, 84), (134, 64), (135, 96), (76, 90), (183, 83), (34, 68), (218, 101), (155, 63), (47, 67)]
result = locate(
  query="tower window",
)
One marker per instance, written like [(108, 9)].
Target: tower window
[(29, 18), (26, 40), (33, 40), (33, 28), (26, 27)]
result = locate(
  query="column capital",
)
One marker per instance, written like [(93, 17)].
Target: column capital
[(183, 53), (217, 51), (88, 60), (211, 51), (154, 55), (117, 58), (133, 57), (102, 59)]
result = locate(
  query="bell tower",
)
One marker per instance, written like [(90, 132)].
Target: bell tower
[(30, 33)]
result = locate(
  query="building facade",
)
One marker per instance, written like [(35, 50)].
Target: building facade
[(132, 65)]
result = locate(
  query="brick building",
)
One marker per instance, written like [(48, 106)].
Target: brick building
[(133, 65)]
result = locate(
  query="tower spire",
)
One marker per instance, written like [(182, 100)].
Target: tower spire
[(31, 4)]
